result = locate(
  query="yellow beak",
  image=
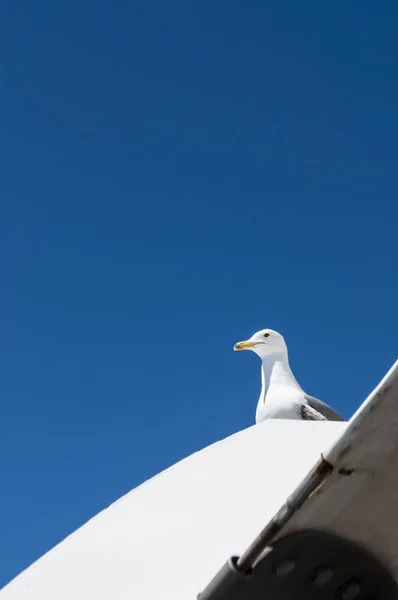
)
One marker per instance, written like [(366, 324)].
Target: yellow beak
[(247, 345)]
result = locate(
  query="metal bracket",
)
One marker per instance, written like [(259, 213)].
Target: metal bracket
[(306, 565)]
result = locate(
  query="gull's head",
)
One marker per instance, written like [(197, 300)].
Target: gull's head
[(264, 343)]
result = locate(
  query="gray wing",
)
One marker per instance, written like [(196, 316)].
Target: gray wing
[(307, 413), (326, 411)]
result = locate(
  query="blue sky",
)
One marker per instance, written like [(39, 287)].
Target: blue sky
[(174, 177)]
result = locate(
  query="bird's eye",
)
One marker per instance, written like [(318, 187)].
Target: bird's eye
[(266, 334)]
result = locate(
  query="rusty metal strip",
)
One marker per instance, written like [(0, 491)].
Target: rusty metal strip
[(315, 478)]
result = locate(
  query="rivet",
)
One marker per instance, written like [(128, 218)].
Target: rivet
[(322, 576), (284, 568), (350, 591)]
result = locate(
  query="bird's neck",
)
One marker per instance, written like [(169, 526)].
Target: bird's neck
[(276, 371)]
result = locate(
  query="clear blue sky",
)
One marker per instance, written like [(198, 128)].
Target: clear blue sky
[(174, 177)]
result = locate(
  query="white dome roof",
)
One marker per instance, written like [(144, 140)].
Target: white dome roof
[(168, 537)]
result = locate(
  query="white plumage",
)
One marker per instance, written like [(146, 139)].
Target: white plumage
[(281, 396)]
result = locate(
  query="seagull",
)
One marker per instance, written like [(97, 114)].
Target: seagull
[(281, 396)]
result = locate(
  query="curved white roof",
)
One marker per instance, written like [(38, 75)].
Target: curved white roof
[(168, 537)]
